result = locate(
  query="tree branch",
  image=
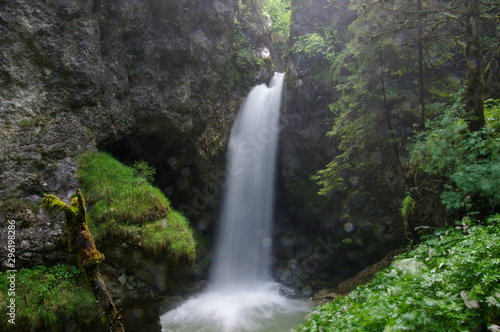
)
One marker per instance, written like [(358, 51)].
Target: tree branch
[(89, 257)]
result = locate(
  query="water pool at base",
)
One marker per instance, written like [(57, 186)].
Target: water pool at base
[(260, 309)]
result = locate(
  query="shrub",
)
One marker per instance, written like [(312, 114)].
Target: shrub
[(450, 282), (145, 170), (44, 295), (466, 164)]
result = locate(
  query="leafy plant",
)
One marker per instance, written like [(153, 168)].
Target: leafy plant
[(32, 122), (145, 170), (492, 113), (44, 295), (279, 12), (313, 44), (448, 283), (468, 163)]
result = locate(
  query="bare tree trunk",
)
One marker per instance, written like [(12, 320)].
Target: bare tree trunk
[(421, 103), (388, 119), (474, 85), (89, 257)]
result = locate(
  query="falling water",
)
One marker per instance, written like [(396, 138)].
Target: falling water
[(242, 296), (243, 247)]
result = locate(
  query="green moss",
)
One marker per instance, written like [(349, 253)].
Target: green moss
[(45, 296), (14, 204), (80, 238), (31, 122), (178, 236), (407, 210), (124, 206)]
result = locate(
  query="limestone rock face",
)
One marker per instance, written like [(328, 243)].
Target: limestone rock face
[(143, 79), (305, 148), (77, 75)]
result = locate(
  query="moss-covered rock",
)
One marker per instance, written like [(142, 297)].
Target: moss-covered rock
[(148, 245), (143, 80), (126, 208)]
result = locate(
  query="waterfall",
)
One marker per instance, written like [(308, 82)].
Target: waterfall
[(242, 296), (244, 241)]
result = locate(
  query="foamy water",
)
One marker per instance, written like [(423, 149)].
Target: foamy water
[(261, 309)]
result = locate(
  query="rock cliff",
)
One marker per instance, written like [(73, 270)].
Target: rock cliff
[(152, 80)]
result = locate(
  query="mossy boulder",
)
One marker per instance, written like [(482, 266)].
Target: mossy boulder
[(147, 244), (125, 208)]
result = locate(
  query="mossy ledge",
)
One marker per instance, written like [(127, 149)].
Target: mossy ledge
[(124, 206)]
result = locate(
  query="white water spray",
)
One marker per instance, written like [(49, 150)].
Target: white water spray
[(242, 296)]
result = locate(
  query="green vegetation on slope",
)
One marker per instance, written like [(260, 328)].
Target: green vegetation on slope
[(46, 296), (454, 172), (123, 205), (450, 282), (393, 70), (467, 162)]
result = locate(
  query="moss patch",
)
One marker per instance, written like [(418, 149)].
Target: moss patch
[(47, 297), (124, 206), (14, 204)]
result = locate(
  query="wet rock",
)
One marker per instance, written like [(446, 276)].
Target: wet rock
[(322, 296), (365, 275)]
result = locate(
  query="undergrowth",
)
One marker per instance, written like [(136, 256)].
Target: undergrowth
[(125, 206), (467, 162), (46, 296), (450, 282), (454, 172)]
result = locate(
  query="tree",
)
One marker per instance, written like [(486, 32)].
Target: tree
[(381, 67), (399, 68), (420, 47), (474, 85), (89, 257), (279, 12)]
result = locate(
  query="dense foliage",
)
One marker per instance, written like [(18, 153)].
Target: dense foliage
[(400, 64), (450, 282), (466, 164), (46, 296), (249, 36), (124, 205), (279, 12), (402, 126)]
